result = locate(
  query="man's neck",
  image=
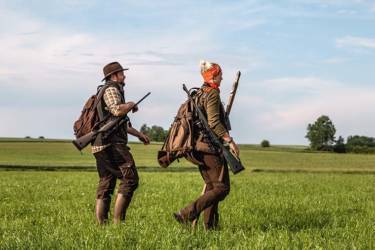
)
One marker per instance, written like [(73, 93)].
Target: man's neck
[(122, 84)]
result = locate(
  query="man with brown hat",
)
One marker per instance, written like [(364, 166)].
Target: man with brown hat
[(113, 158), (213, 166)]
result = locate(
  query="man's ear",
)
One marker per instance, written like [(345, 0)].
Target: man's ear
[(114, 77)]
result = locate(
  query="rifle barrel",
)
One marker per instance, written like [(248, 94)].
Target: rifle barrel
[(232, 94), (143, 98)]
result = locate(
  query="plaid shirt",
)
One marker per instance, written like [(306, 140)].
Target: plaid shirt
[(112, 99)]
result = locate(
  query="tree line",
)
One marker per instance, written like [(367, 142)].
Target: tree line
[(321, 135)]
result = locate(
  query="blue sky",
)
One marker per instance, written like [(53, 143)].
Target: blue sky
[(299, 60)]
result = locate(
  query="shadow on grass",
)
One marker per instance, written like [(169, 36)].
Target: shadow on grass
[(89, 168), (287, 219), (295, 221)]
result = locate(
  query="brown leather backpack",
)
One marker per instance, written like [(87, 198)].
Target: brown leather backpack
[(180, 139), (89, 117)]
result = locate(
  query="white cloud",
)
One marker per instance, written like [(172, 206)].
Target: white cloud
[(346, 12), (28, 121), (56, 69), (285, 83), (350, 108), (334, 60), (41, 56), (356, 42)]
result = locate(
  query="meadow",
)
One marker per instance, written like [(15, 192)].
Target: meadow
[(62, 155), (286, 198)]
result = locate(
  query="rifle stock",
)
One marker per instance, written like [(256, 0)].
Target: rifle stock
[(233, 162), (109, 127), (83, 141)]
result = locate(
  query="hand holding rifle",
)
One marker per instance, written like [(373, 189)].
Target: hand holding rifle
[(111, 126), (127, 107), (135, 109), (232, 146)]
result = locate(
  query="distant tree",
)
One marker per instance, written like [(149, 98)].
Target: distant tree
[(27, 137), (145, 130), (265, 144), (340, 146), (156, 133), (41, 137), (321, 133)]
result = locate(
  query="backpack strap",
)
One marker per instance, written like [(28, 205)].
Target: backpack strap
[(98, 103)]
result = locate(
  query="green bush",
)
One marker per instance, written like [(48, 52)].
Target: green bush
[(339, 146), (361, 144), (265, 144)]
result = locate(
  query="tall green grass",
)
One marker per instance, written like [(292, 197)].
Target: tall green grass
[(55, 210), (48, 210)]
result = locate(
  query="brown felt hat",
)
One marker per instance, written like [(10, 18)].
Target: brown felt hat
[(112, 68)]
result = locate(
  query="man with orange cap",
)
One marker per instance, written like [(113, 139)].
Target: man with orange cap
[(213, 167)]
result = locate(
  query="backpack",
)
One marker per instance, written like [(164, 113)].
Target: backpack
[(180, 139), (89, 118)]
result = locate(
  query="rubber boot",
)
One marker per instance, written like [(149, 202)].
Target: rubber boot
[(102, 208), (121, 205)]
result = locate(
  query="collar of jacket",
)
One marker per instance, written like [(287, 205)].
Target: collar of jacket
[(207, 87), (122, 84), (119, 85)]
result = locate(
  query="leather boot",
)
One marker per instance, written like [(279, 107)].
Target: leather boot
[(102, 208), (211, 217), (121, 205)]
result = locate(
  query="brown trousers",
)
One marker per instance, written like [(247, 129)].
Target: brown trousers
[(116, 162), (215, 174)]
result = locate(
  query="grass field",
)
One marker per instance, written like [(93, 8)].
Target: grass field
[(63, 154), (328, 209)]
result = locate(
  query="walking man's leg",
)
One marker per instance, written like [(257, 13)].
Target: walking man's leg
[(216, 176), (106, 186), (104, 192), (128, 184)]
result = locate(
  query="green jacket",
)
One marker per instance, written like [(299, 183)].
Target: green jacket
[(209, 99)]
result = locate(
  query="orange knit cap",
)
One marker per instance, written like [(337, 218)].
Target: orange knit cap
[(209, 71)]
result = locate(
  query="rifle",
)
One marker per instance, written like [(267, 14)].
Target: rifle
[(233, 162), (109, 127), (231, 99)]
